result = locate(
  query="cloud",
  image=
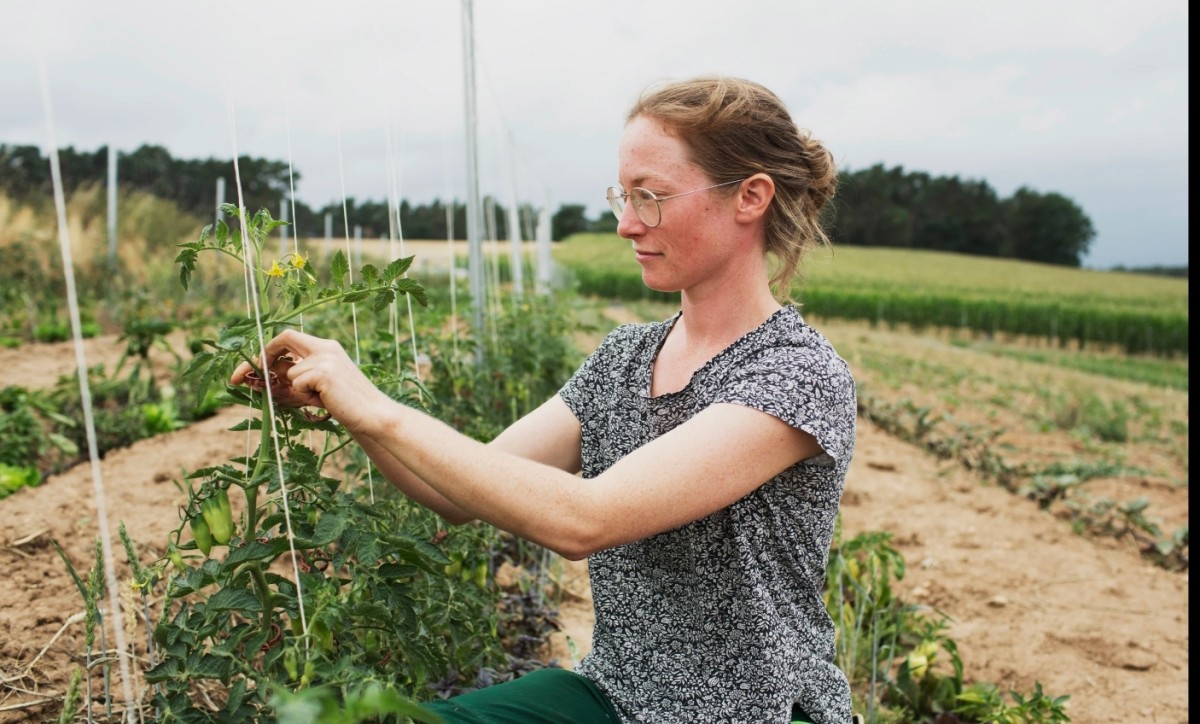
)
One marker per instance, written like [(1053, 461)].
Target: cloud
[(1019, 93)]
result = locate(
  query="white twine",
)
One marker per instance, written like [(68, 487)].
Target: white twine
[(396, 231), (85, 395), (350, 280), (450, 248), (247, 261)]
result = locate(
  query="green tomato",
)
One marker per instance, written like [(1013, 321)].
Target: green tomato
[(201, 533), (217, 514), (223, 499), (290, 663), (176, 558)]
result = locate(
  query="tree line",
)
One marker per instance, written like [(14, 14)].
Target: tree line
[(191, 185), (875, 206)]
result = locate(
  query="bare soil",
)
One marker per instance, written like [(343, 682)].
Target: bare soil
[(1029, 600)]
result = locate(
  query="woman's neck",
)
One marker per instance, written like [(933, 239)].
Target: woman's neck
[(713, 321)]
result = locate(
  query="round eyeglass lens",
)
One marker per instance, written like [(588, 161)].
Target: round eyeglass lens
[(616, 201), (645, 204)]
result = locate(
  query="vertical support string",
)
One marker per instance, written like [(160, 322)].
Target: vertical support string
[(350, 279), (393, 222), (248, 261), (287, 119), (450, 249), (396, 231), (85, 395)]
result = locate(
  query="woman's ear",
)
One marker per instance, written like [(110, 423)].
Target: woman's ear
[(754, 197)]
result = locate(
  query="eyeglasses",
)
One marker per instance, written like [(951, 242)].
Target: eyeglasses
[(646, 205)]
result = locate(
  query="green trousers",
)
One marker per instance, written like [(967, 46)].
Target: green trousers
[(544, 696)]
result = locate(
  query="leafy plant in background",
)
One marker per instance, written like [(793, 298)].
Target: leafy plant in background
[(13, 478), (529, 355), (902, 665), (33, 431), (983, 702)]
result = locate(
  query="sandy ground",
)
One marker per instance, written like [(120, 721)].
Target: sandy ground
[(1029, 600)]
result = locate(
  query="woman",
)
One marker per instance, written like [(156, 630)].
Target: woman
[(713, 445)]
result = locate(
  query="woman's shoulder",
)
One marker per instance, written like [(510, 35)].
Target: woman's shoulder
[(634, 334), (787, 330)]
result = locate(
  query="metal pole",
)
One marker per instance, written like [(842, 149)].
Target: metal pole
[(328, 231), (514, 223), (112, 205), (545, 261), (358, 245), (220, 197), (474, 213), (283, 230)]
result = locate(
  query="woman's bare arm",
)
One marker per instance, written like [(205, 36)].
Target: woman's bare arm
[(524, 481)]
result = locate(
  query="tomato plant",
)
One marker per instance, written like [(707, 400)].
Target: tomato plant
[(291, 586)]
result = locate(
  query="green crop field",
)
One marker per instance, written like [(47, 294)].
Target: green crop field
[(1133, 312)]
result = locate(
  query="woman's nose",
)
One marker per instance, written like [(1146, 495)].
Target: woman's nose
[(628, 223)]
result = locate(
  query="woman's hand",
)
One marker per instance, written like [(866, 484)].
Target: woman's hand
[(311, 371)]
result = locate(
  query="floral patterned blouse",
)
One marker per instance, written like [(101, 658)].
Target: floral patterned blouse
[(721, 619)]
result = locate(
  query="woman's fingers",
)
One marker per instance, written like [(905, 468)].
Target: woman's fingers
[(307, 371), (239, 374)]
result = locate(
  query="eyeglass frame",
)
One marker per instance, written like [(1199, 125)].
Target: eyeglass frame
[(616, 192)]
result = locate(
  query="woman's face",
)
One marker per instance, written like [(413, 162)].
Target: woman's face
[(684, 249)]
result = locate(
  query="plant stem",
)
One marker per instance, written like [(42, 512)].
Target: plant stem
[(251, 488), (286, 317), (264, 594)]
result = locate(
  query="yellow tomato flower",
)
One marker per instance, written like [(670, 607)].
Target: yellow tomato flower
[(299, 261), (275, 270)]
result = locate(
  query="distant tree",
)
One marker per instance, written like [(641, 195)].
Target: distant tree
[(1048, 228), (873, 207), (1157, 270), (23, 171), (569, 219), (428, 221), (958, 216), (605, 223)]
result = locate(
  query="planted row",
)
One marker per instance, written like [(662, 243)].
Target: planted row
[(1139, 315), (43, 430), (1150, 332)]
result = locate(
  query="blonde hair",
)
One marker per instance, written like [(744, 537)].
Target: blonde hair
[(735, 128)]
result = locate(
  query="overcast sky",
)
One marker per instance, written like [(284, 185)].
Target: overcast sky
[(1086, 99)]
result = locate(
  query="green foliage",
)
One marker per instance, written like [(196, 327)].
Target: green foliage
[(124, 409), (900, 661), (13, 478), (33, 429), (148, 168), (321, 600), (975, 449), (983, 702), (1157, 371), (878, 206), (326, 705), (569, 219), (1129, 520), (527, 356), (71, 698), (1107, 420), (45, 427)]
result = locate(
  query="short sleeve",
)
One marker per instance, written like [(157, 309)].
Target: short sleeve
[(810, 389), (598, 373)]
